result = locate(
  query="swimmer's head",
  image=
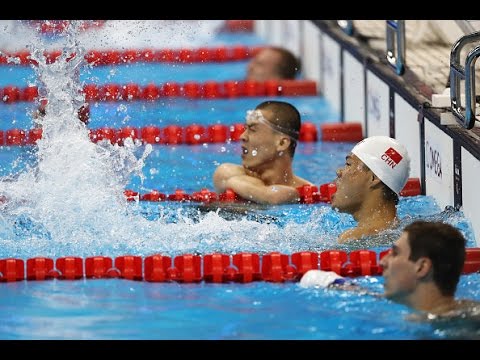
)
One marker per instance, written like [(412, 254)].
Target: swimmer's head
[(386, 158)]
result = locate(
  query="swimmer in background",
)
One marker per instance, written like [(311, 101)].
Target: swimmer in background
[(268, 146), (421, 271), (368, 185), (273, 63)]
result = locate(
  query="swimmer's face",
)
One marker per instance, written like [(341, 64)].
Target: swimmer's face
[(264, 66), (399, 272), (260, 142), (352, 182)]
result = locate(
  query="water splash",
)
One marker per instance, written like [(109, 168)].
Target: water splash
[(74, 193), (116, 34)]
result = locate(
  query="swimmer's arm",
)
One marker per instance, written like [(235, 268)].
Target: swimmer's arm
[(348, 286), (348, 235), (225, 172), (253, 189)]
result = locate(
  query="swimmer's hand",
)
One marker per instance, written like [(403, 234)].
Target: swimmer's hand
[(321, 279)]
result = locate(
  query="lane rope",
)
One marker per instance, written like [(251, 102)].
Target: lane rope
[(191, 89), (244, 267), (218, 54), (193, 134)]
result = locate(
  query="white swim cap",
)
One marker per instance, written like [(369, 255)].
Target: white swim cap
[(387, 158)]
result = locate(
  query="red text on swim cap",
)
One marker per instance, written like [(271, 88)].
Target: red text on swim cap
[(391, 157)]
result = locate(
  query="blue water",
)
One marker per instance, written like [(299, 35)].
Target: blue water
[(116, 309), (144, 73), (139, 73), (175, 111), (121, 309)]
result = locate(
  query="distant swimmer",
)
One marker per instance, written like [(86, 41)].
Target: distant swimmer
[(273, 63)]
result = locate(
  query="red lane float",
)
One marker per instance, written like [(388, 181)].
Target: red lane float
[(195, 134), (191, 89), (104, 133), (362, 263), (130, 56), (308, 132), (127, 132), (412, 188), (15, 137), (12, 269), (156, 268), (309, 194), (97, 267), (170, 135), (39, 268), (205, 196), (151, 134), (342, 132), (472, 261), (52, 27), (248, 265), (333, 260), (238, 25), (153, 195), (188, 268), (304, 261), (70, 267), (34, 135), (215, 268), (130, 267), (276, 268), (242, 267)]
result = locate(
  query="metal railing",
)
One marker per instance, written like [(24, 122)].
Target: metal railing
[(346, 26), (396, 45), (465, 26), (465, 114)]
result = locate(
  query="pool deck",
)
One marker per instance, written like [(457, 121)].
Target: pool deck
[(427, 59)]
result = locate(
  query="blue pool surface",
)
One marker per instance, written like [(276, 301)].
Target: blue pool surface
[(116, 309), (122, 309), (175, 111), (139, 73)]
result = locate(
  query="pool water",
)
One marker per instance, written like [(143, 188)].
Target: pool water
[(122, 309)]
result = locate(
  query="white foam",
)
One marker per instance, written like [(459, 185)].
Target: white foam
[(117, 34)]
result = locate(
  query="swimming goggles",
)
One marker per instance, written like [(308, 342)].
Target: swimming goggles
[(256, 115)]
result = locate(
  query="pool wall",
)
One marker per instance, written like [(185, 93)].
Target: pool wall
[(364, 88)]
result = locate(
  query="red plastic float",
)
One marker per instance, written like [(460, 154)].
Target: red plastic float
[(70, 267), (342, 132), (156, 268), (12, 270), (242, 267), (151, 134), (215, 268)]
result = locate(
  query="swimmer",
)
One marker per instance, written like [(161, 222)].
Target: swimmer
[(268, 146)]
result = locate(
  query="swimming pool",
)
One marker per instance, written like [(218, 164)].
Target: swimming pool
[(78, 209)]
